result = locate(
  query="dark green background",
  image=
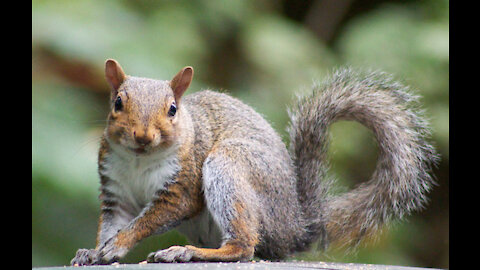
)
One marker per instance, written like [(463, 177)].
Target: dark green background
[(262, 52)]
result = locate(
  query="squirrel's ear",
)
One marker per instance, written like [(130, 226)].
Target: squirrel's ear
[(114, 74), (181, 82)]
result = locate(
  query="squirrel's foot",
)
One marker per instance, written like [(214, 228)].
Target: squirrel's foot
[(85, 257), (109, 252), (172, 254)]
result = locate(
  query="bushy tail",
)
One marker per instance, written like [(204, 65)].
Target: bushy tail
[(401, 179)]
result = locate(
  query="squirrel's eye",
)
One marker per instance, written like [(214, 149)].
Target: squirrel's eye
[(173, 110), (118, 104)]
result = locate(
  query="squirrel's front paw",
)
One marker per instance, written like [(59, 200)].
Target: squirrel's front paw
[(172, 254), (85, 257)]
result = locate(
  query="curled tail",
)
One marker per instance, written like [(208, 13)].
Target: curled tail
[(401, 178)]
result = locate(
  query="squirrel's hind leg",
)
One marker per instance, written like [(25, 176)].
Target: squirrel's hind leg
[(232, 203)]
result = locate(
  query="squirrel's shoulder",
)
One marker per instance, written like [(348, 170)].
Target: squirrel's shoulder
[(221, 104), (216, 102), (209, 96)]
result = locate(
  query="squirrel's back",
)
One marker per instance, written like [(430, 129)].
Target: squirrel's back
[(227, 117)]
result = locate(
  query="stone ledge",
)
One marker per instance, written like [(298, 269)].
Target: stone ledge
[(262, 265)]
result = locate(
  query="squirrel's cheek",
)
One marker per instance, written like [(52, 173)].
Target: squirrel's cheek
[(157, 139), (115, 134)]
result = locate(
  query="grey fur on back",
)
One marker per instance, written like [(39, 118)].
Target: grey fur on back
[(401, 179)]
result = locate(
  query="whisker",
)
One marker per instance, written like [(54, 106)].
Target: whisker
[(87, 142)]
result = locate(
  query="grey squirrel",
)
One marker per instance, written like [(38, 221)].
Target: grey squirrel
[(212, 167)]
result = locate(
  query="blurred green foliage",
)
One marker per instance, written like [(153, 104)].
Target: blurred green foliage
[(254, 50)]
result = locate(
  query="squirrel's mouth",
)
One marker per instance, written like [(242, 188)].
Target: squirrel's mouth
[(148, 149), (139, 150)]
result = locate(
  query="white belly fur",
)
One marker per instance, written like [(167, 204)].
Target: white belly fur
[(136, 179)]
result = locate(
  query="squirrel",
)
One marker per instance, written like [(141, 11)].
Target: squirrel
[(210, 166)]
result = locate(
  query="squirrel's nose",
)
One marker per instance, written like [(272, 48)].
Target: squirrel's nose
[(143, 139)]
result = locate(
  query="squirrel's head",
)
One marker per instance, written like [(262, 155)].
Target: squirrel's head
[(145, 113)]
